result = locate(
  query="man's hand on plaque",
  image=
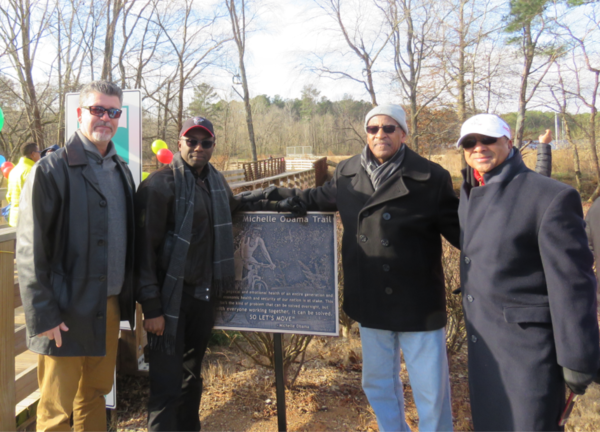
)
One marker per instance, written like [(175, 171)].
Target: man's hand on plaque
[(255, 195), (293, 205)]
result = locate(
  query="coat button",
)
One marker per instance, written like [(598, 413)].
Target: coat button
[(386, 268), (470, 298), (388, 290), (473, 338), (387, 216), (99, 315), (102, 203), (467, 260), (363, 238), (102, 278), (100, 242), (385, 242)]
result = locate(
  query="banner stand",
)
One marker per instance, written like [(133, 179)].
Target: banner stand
[(279, 383)]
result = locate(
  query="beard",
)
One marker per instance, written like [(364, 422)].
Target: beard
[(102, 136)]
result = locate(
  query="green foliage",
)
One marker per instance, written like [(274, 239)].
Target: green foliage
[(524, 12), (537, 122), (202, 105), (222, 337)]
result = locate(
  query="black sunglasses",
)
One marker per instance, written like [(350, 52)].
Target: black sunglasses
[(192, 143), (472, 141), (388, 129), (99, 111)]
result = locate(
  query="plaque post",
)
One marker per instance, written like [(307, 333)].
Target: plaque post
[(279, 384)]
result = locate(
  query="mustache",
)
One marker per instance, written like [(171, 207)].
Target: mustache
[(103, 124)]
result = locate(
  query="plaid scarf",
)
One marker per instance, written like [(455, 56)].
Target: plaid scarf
[(223, 268), (377, 172)]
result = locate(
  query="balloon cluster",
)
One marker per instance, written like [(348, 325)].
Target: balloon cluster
[(5, 166), (162, 152)]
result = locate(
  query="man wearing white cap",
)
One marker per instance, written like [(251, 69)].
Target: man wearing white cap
[(394, 205), (527, 284)]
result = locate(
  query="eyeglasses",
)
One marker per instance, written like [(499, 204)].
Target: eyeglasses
[(99, 111), (192, 143), (472, 141), (388, 129)]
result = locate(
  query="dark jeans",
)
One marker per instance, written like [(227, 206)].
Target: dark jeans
[(175, 382)]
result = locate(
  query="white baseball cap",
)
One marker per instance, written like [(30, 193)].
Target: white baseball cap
[(484, 124)]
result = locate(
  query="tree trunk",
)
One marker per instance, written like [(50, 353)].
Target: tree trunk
[(249, 122)]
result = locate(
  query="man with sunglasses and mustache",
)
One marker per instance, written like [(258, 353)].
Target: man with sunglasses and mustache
[(527, 285), (75, 264), (394, 205), (184, 263)]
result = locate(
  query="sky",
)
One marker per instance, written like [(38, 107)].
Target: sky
[(276, 62)]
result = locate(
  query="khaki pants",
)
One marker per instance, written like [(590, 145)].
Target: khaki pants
[(78, 384)]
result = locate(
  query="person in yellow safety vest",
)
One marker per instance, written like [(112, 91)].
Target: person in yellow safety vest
[(16, 179)]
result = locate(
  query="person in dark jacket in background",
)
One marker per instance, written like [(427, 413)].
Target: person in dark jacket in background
[(394, 205), (49, 150), (527, 284), (184, 261), (75, 264), (543, 165)]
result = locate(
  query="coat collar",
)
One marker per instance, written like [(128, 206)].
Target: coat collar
[(414, 167), (76, 151), (504, 172)]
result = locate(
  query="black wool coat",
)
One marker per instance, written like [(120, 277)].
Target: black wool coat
[(391, 248), (528, 295), (62, 254)]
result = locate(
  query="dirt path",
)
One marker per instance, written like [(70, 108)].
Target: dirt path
[(327, 395)]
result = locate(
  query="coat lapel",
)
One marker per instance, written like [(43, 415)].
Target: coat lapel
[(360, 186), (76, 157)]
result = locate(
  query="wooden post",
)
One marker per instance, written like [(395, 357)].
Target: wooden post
[(7, 330)]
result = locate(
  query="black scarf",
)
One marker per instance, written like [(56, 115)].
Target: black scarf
[(377, 172), (223, 268)]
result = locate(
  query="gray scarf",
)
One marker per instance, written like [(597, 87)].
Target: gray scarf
[(223, 268), (378, 173)]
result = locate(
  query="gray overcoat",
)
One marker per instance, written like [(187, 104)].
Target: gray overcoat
[(528, 295)]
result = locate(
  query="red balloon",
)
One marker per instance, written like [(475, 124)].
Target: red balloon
[(6, 171), (6, 164), (164, 156)]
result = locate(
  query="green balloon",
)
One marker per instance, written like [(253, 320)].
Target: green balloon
[(145, 175), (158, 145), (1, 119)]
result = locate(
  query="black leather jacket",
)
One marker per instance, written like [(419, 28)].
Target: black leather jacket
[(62, 252)]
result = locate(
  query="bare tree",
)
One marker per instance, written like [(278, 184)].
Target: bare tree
[(239, 25), (20, 36), (528, 22), (415, 28), (195, 41), (561, 102), (586, 73), (364, 37)]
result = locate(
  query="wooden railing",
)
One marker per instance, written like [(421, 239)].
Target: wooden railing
[(264, 168), (15, 388), (234, 176), (11, 388), (299, 179)]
